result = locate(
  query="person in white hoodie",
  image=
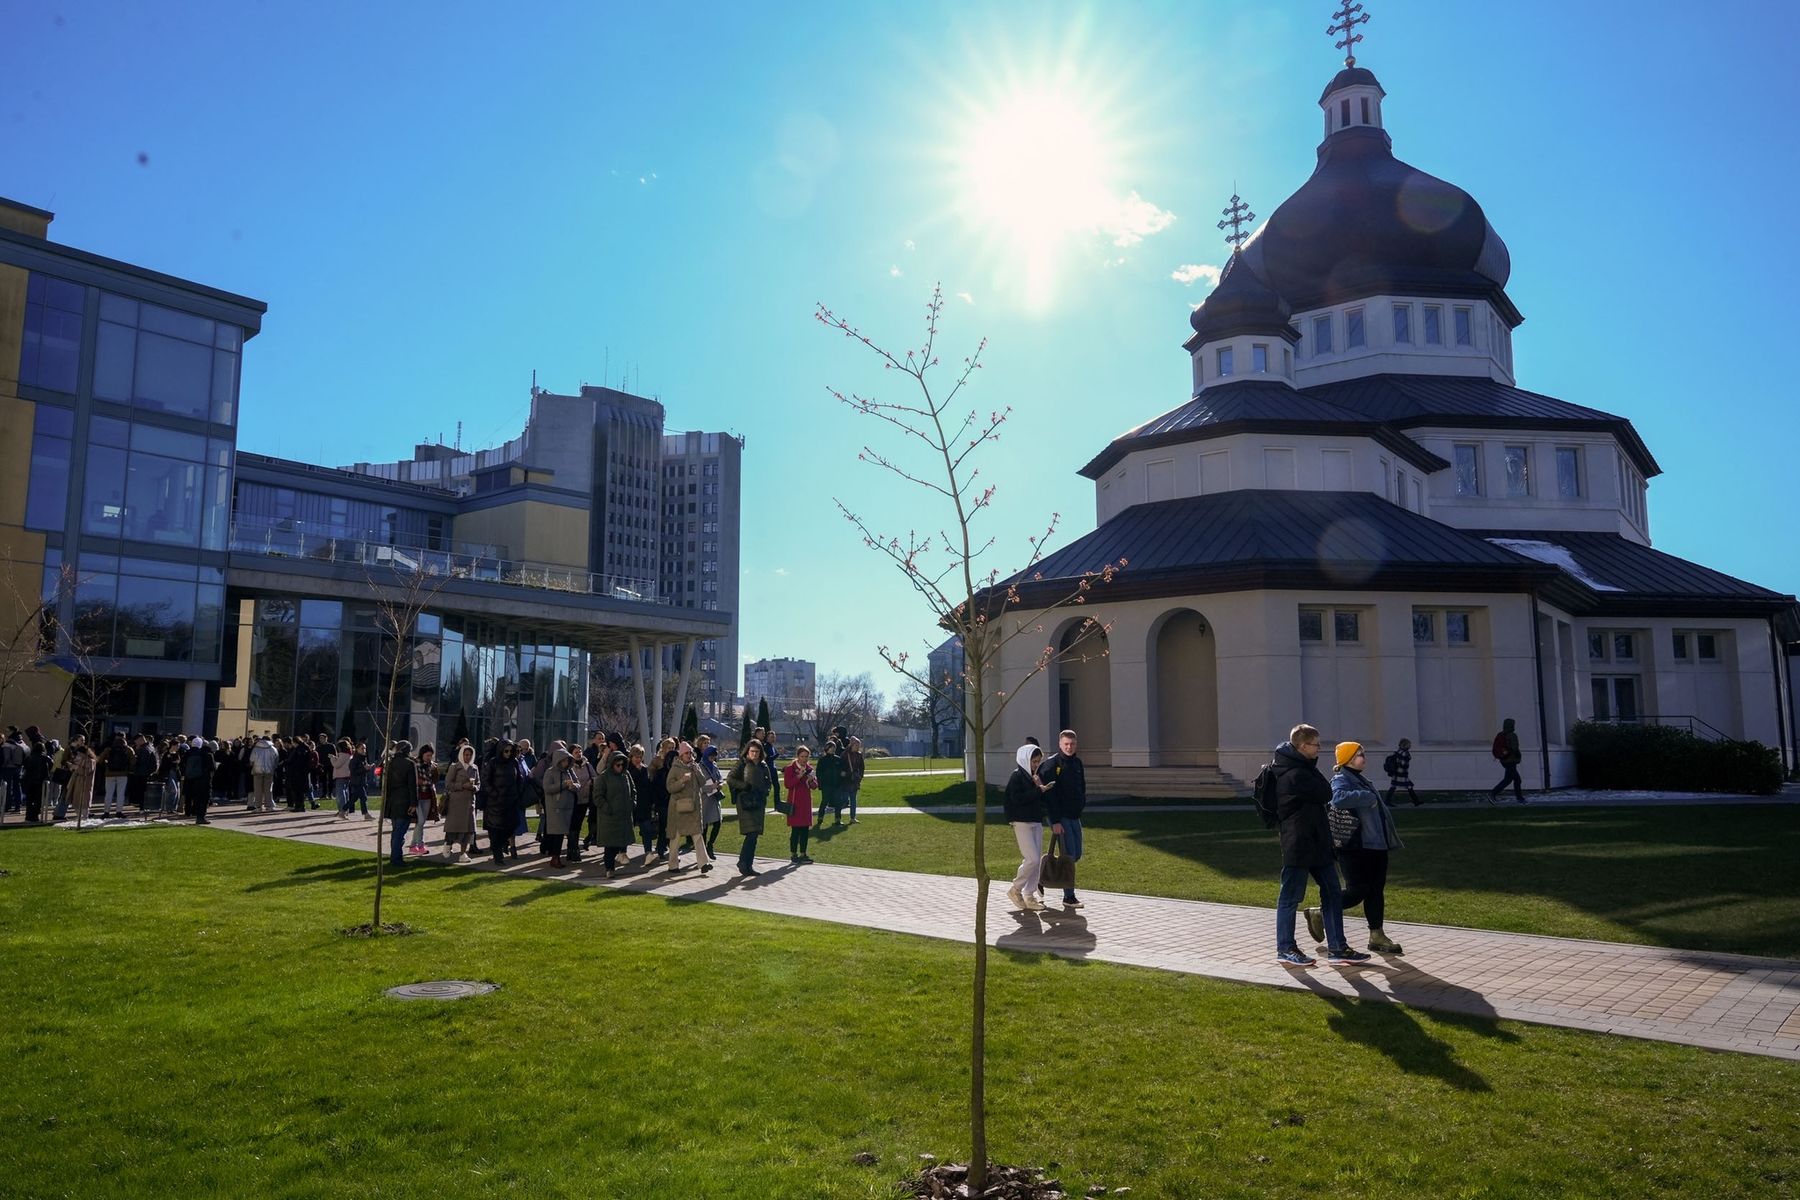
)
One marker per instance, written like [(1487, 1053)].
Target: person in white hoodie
[(263, 761), (1025, 813)]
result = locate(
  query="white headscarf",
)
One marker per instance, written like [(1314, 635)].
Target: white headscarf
[(198, 744), (1024, 756)]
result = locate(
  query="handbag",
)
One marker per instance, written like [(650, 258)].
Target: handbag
[(1346, 825), (1058, 869)]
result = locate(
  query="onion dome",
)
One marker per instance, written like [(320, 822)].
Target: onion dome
[(1242, 303)]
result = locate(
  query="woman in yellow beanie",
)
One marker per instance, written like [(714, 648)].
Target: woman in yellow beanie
[(1362, 845)]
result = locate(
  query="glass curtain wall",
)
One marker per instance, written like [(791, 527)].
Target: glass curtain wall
[(324, 668)]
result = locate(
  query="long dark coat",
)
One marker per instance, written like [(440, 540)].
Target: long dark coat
[(749, 783), (1302, 794), (614, 797)]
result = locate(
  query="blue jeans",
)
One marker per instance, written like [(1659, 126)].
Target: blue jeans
[(853, 792), (15, 794), (1293, 891), (343, 795), (398, 849), (359, 794)]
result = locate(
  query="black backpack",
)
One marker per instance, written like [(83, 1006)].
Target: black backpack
[(1264, 797), (193, 768), (1391, 765)]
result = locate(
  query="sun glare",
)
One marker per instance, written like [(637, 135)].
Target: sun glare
[(1037, 170)]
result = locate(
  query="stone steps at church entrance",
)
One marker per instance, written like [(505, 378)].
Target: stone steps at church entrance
[(1163, 783)]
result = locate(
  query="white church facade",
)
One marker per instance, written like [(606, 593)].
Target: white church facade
[(1360, 520)]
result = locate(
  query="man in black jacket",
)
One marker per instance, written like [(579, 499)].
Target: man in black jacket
[(1065, 801), (143, 766), (1302, 794)]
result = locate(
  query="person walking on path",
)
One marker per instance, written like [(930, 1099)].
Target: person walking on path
[(643, 809), (831, 771), (426, 764), (712, 792), (750, 783), (1506, 750), (613, 794), (399, 796), (1065, 800), (263, 761), (1398, 767), (1025, 813), (580, 776), (461, 784), (559, 803), (1364, 854), (801, 780), (1301, 797), (342, 755), (502, 790), (684, 786), (666, 752), (197, 767)]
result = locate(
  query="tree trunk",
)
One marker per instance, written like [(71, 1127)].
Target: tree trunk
[(380, 865), (978, 1156)]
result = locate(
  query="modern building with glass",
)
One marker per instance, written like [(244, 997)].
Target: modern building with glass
[(202, 589)]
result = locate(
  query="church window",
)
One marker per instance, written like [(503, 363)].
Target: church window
[(1568, 472), (1365, 111), (1434, 325), (1456, 628), (1518, 471), (1465, 327), (1346, 626), (1706, 645), (1312, 625), (1418, 499), (1224, 361), (1322, 335), (1597, 647), (1681, 645), (1400, 488), (1424, 627), (1353, 329), (1468, 470), (1287, 362), (1259, 360), (1343, 112), (1624, 647), (1403, 324)]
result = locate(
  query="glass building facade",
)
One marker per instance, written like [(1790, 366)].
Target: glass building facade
[(324, 668)]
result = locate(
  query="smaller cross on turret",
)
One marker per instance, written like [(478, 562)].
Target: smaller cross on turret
[(1345, 20), (1237, 215)]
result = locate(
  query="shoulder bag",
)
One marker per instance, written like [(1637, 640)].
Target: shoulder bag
[(1058, 869), (1346, 826)]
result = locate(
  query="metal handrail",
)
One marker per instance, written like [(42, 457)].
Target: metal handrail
[(285, 540), (1688, 721)]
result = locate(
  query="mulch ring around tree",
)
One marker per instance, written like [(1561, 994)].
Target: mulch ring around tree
[(388, 929), (950, 1181)]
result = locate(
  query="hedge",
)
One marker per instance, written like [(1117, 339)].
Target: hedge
[(1662, 758)]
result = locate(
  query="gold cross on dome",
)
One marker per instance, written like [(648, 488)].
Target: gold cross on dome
[(1237, 215), (1345, 20)]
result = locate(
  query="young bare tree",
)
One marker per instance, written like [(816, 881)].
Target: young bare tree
[(30, 640), (934, 444), (402, 591), (847, 700)]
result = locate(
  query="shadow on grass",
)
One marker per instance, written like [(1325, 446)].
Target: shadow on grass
[(1372, 1019)]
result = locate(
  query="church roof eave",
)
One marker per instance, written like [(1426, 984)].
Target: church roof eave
[(1383, 435)]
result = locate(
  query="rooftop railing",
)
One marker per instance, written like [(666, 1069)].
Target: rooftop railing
[(287, 539)]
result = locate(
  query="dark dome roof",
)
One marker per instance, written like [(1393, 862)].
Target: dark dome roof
[(1367, 222), (1351, 77), (1241, 303)]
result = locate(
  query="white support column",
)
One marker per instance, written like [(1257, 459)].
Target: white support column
[(637, 687), (681, 689), (656, 685)]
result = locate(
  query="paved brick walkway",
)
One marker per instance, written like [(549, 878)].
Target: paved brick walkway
[(1722, 1001)]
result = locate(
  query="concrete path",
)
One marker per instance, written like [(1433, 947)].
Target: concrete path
[(1721, 1001)]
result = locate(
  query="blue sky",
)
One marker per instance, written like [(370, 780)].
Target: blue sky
[(436, 200)]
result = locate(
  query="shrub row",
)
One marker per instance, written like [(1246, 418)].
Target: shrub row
[(1662, 758)]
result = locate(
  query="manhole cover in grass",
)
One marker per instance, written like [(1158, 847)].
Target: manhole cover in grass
[(441, 989)]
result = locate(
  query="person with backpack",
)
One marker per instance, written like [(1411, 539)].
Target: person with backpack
[(197, 767), (1398, 768), (1362, 831), (1506, 752), (1291, 791)]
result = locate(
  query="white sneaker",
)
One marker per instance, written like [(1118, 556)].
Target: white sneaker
[(1014, 898), (1033, 904)]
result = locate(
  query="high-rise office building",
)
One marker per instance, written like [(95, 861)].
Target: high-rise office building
[(701, 484)]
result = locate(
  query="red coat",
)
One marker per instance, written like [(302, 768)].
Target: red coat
[(800, 782)]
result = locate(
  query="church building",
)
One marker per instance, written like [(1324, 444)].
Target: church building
[(1360, 520)]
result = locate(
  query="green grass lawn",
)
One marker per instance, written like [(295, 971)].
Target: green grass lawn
[(1702, 878), (877, 766), (183, 1022)]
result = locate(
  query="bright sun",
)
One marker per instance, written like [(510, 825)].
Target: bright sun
[(1037, 170)]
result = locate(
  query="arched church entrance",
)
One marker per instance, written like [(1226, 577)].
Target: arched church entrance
[(1184, 691), (1081, 693)]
